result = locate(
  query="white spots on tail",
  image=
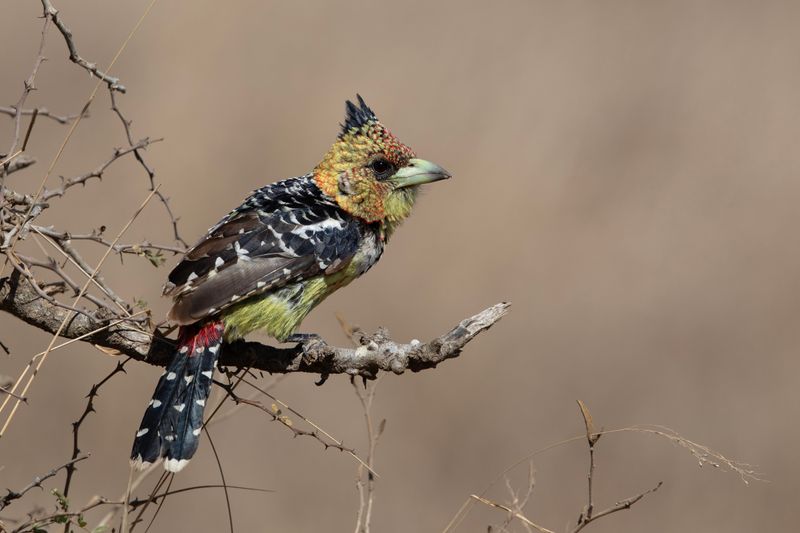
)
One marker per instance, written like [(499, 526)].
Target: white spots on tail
[(183, 349), (179, 407), (196, 432), (208, 373), (219, 262), (175, 465), (213, 349), (141, 432), (188, 379), (201, 402), (171, 376), (155, 403)]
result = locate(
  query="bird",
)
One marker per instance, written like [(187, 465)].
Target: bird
[(270, 261)]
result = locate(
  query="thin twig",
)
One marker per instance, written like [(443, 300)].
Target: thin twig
[(222, 476), (37, 482), (151, 173), (76, 426), (151, 498), (517, 515), (41, 111), (619, 506), (137, 503), (366, 487), (29, 86), (277, 415), (591, 439), (112, 82), (67, 183)]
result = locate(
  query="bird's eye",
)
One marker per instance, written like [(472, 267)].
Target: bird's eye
[(382, 168)]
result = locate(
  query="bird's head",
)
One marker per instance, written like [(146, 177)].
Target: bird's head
[(370, 173)]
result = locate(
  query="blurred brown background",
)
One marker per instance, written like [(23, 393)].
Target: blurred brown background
[(626, 173)]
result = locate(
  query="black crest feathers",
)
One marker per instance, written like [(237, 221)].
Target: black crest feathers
[(357, 116)]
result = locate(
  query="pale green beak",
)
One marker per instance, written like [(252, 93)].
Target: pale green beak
[(418, 172)]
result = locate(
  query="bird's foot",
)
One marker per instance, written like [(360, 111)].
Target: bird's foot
[(308, 343), (302, 338)]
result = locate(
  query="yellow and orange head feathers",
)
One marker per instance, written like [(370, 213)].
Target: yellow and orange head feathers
[(370, 173)]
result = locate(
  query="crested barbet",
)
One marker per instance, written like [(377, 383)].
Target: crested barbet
[(270, 261)]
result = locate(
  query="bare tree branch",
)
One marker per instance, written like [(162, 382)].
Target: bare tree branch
[(376, 352)]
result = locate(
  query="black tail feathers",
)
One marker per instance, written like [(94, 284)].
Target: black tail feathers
[(171, 425)]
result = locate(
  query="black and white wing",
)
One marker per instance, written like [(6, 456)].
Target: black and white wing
[(284, 232)]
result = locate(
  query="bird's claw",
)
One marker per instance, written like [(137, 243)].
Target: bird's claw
[(302, 338)]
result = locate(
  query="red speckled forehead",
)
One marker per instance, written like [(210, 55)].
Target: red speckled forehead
[(395, 151)]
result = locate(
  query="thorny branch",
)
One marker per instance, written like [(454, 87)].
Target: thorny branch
[(76, 426), (52, 13), (151, 173), (67, 183), (37, 482)]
